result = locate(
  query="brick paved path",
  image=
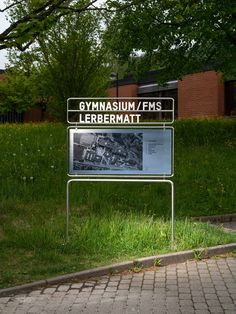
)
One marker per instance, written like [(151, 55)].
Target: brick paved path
[(192, 287)]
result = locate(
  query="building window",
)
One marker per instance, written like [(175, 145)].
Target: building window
[(230, 98)]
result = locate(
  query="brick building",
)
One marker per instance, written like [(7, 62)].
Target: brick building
[(203, 94)]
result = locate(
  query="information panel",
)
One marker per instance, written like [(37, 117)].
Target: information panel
[(144, 152)]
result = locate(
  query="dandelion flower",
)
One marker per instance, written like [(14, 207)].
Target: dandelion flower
[(31, 178), (24, 178), (14, 154), (52, 166)]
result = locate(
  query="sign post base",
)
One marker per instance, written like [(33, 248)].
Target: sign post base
[(119, 180)]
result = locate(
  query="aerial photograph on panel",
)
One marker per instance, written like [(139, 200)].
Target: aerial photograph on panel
[(108, 151)]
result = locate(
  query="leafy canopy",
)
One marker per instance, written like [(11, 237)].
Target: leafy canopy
[(73, 61), (29, 18), (18, 92), (69, 60), (177, 36)]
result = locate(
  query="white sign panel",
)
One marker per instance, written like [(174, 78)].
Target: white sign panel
[(147, 152), (120, 111)]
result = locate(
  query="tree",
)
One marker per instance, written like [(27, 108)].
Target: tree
[(177, 36), (70, 61), (28, 18), (73, 61), (18, 92)]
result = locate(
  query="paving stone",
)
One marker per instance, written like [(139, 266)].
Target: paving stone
[(63, 288), (172, 293), (200, 306), (213, 303), (186, 290), (222, 293), (187, 310), (4, 300), (185, 296), (211, 296), (208, 290), (77, 285), (207, 286), (230, 306), (147, 287), (49, 290), (225, 299), (216, 310)]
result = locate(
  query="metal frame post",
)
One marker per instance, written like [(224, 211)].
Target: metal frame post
[(117, 85), (119, 180)]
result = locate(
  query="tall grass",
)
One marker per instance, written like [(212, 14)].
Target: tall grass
[(33, 169), (109, 221), (221, 131)]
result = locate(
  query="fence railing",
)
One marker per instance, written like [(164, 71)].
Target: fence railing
[(12, 117)]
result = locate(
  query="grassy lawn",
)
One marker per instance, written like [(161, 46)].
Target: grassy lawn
[(109, 221)]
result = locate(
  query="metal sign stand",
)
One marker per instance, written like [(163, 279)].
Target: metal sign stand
[(158, 179), (120, 180)]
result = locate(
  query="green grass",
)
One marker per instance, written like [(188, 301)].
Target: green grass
[(109, 221)]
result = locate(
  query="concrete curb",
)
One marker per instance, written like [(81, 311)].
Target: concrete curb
[(216, 218), (164, 259)]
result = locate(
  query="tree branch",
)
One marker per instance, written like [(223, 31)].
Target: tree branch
[(9, 37), (29, 17), (10, 6)]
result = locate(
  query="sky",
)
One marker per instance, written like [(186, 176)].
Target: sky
[(4, 24)]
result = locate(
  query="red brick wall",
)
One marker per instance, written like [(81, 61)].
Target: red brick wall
[(201, 94), (34, 115), (124, 91)]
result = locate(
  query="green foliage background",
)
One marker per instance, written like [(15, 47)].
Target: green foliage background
[(178, 37), (69, 60)]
